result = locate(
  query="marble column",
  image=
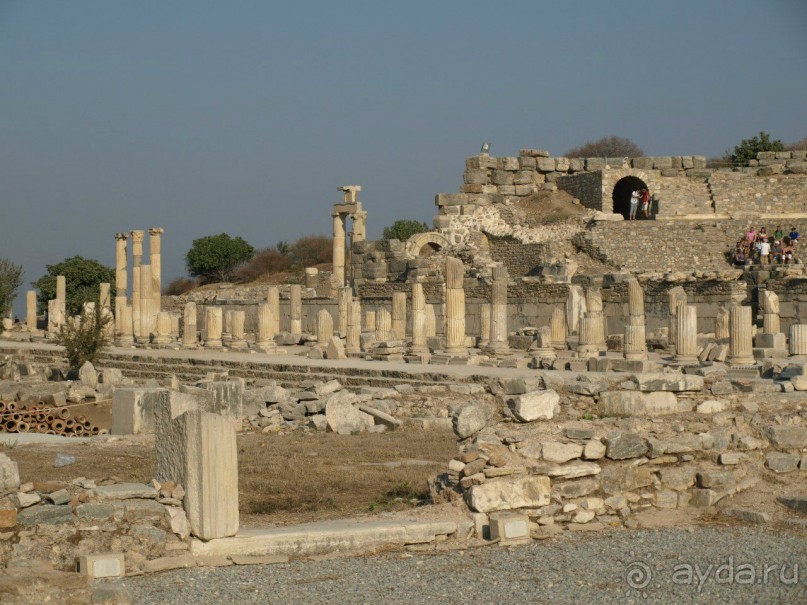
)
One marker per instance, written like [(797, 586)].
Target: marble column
[(797, 343), (156, 266), (740, 341), (213, 325), (137, 261), (383, 324), (635, 299), (338, 249), (558, 327), (370, 320), (266, 334), (163, 328), (455, 309), (353, 342), (147, 315), (344, 297), (125, 335), (594, 311), (635, 344), (273, 299), (61, 289), (175, 321), (324, 327), (295, 309), (431, 321), (686, 343), (227, 328), (484, 325), (769, 301), (419, 346), (121, 277), (399, 315), (237, 340), (722, 321), (675, 297), (498, 344), (55, 317), (311, 277), (575, 307), (189, 335), (30, 310), (589, 331)]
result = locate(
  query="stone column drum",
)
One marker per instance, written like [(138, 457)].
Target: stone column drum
[(589, 331), (419, 346), (797, 344), (594, 311), (484, 325), (163, 329), (498, 344), (238, 318), (125, 334), (635, 299), (30, 310), (370, 320), (675, 297), (311, 277), (769, 301), (344, 297), (189, 336), (431, 321), (399, 315), (338, 249), (273, 299), (121, 277), (722, 321), (295, 309), (147, 315), (213, 326), (575, 307), (740, 341), (137, 261), (156, 266), (324, 327), (383, 324), (635, 344), (455, 308), (353, 341), (558, 327), (265, 337), (686, 343)]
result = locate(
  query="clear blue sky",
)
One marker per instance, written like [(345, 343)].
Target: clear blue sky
[(244, 116)]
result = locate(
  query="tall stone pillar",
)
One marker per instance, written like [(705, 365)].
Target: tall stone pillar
[(370, 320), (344, 297), (740, 341), (455, 309), (558, 328), (227, 328), (156, 266), (686, 343), (383, 324), (125, 334), (147, 315), (498, 344), (484, 325), (722, 321), (238, 341), (770, 312), (419, 346), (189, 336), (121, 278), (353, 342), (213, 326), (311, 277), (175, 321), (57, 308), (399, 315), (594, 311), (431, 321), (797, 344), (575, 307), (675, 297), (61, 289), (266, 333), (30, 310), (324, 327), (137, 261), (589, 331), (163, 328), (635, 343), (296, 309), (635, 299), (273, 299), (338, 249)]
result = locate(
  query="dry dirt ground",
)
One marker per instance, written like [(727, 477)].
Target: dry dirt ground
[(285, 478)]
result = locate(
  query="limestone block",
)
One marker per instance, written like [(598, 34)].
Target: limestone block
[(668, 382), (594, 450), (133, 409), (787, 437), (712, 406), (166, 410), (779, 462), (344, 418), (534, 405), (508, 494), (87, 375), (9, 474), (622, 445), (554, 451), (201, 453), (509, 528), (107, 565), (633, 403), (335, 349), (470, 419), (227, 400)]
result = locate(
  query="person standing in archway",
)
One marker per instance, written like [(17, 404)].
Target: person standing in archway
[(645, 203), (634, 204)]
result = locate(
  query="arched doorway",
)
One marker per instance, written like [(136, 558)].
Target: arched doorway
[(621, 196)]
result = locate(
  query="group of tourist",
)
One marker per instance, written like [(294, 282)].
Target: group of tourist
[(636, 196), (759, 247)]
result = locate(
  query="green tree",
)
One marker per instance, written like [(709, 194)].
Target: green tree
[(748, 148), (403, 229), (83, 277), (10, 281), (606, 147), (215, 257)]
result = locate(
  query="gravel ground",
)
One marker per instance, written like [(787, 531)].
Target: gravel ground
[(643, 566)]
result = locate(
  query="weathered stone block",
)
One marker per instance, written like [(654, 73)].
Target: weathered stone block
[(509, 528), (633, 403), (9, 474), (623, 445), (133, 409), (787, 437), (535, 405), (108, 565), (470, 419), (779, 462), (508, 494), (554, 451), (45, 514)]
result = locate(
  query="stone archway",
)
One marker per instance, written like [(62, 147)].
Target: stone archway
[(614, 184), (426, 244), (621, 195)]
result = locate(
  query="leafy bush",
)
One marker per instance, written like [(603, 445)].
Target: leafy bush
[(748, 148), (311, 250), (403, 229), (606, 147), (214, 258), (84, 338), (83, 277), (180, 286), (10, 281), (264, 262)]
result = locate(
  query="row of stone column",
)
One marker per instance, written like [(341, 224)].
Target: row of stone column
[(144, 299)]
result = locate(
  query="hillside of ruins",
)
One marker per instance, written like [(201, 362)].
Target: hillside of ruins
[(588, 372)]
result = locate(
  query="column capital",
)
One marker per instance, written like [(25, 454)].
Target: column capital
[(350, 192), (156, 231), (121, 236), (137, 236)]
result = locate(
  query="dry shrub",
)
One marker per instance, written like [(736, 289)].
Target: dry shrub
[(265, 262), (311, 250), (179, 286)]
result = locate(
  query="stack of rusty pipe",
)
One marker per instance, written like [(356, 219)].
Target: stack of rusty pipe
[(38, 418)]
